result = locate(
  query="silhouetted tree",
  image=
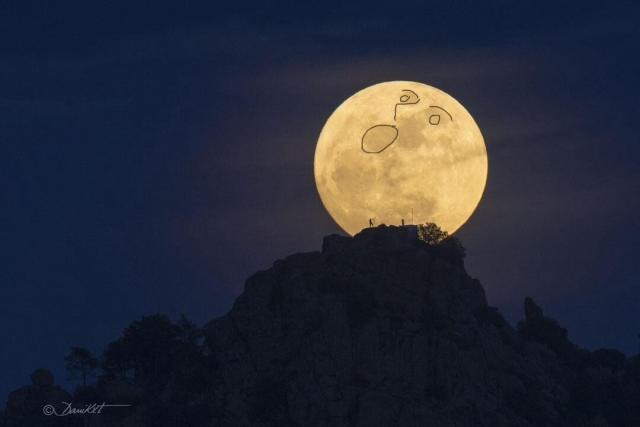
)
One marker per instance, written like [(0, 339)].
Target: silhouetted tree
[(80, 363), (144, 353), (189, 331), (434, 236), (431, 234), (166, 362)]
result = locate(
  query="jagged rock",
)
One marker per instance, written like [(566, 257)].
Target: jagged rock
[(25, 405), (532, 312), (380, 329), (42, 378), (538, 328)]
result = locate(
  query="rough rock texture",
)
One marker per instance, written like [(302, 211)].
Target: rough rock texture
[(25, 405), (380, 330)]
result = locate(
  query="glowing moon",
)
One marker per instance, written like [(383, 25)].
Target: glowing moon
[(400, 151)]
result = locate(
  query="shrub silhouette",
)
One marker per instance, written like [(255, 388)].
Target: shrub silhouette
[(434, 236), (431, 234)]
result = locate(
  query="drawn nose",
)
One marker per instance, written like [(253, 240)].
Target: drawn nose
[(377, 138)]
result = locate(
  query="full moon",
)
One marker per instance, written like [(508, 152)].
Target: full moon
[(400, 152)]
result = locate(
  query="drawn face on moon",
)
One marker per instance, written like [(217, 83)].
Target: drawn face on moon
[(400, 151)]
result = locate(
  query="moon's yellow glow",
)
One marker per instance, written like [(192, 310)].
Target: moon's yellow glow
[(400, 151)]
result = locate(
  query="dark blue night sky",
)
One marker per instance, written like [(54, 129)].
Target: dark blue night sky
[(153, 155)]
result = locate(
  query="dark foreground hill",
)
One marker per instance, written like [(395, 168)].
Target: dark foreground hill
[(384, 330), (381, 329)]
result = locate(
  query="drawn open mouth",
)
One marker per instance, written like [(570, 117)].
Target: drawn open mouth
[(378, 138)]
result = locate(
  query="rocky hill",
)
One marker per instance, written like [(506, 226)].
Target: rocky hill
[(385, 330), (382, 329)]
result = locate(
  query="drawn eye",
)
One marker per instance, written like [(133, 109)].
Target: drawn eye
[(435, 118), (404, 98)]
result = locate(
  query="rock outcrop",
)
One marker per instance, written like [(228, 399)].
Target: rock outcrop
[(384, 330), (25, 406)]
